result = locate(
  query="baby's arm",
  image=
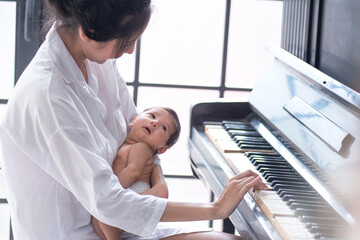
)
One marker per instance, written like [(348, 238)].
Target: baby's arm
[(158, 184), (140, 155)]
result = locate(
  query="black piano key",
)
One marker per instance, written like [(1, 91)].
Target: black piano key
[(273, 159), (294, 194), (280, 169), (247, 138), (234, 133), (287, 197), (242, 142), (279, 187), (274, 167), (255, 147), (267, 158), (257, 162), (271, 176), (289, 183), (296, 188), (225, 122), (281, 174), (260, 154), (286, 177), (265, 170), (229, 127)]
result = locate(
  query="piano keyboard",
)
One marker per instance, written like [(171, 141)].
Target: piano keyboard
[(294, 208)]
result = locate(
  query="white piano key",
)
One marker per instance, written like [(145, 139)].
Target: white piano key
[(291, 228)]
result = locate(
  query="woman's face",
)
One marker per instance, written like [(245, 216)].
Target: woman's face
[(101, 51)]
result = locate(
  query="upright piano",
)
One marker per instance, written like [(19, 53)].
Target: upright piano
[(300, 130)]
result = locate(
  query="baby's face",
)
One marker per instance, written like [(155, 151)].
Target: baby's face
[(153, 127)]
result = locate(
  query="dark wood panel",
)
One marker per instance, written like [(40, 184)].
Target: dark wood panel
[(339, 46)]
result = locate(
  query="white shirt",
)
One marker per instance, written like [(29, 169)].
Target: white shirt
[(59, 137)]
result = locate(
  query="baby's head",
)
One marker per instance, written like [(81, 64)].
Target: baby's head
[(159, 127)]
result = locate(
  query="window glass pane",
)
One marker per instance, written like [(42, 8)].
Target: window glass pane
[(7, 47), (175, 161), (4, 221), (183, 43), (126, 66), (2, 109), (252, 25)]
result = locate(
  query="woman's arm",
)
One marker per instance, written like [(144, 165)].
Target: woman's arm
[(229, 199), (159, 187)]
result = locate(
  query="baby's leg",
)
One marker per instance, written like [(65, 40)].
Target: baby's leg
[(104, 231)]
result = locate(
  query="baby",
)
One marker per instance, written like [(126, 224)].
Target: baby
[(152, 132)]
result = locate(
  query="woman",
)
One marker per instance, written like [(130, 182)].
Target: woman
[(64, 123)]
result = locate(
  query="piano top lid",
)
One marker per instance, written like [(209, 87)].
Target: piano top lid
[(315, 114), (348, 95)]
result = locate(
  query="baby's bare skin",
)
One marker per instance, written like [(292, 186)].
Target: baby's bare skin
[(121, 162)]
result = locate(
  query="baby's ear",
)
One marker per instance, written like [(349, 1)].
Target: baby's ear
[(162, 149), (132, 122)]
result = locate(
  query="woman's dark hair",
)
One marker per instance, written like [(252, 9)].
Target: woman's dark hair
[(102, 20)]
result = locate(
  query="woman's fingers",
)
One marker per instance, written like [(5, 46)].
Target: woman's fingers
[(246, 183), (246, 173), (235, 190), (243, 175)]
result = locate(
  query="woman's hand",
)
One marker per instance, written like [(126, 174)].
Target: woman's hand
[(234, 192), (229, 199)]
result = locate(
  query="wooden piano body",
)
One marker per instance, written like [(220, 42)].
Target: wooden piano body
[(309, 119)]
